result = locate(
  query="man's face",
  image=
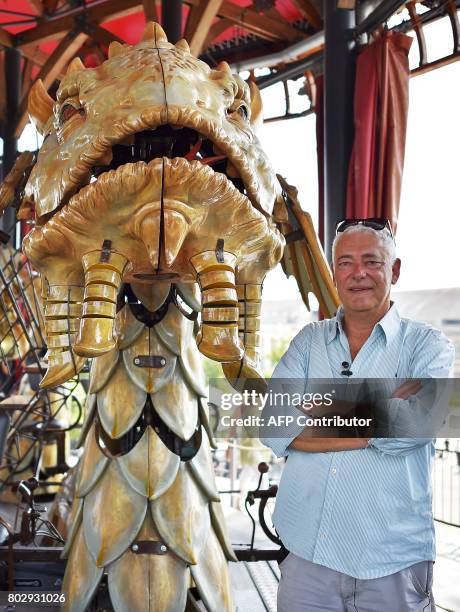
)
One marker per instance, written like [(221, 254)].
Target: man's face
[(363, 273)]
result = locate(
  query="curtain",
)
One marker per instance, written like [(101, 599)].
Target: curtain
[(380, 115)]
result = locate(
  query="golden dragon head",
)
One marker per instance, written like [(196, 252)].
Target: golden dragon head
[(150, 171)]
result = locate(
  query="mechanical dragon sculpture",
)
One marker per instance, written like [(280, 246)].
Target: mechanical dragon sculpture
[(157, 217)]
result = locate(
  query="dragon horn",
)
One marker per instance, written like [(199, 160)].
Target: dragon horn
[(39, 105)]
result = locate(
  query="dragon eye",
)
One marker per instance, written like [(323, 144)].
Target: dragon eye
[(68, 111), (241, 110)]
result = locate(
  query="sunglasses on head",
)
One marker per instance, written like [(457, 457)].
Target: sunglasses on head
[(373, 222)]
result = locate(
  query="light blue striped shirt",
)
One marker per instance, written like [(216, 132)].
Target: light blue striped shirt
[(368, 512)]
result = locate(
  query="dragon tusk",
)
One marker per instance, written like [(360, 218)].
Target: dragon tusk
[(218, 337), (248, 368), (62, 310), (103, 276)]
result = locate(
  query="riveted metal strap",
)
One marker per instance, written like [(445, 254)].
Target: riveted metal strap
[(149, 361), (105, 251), (220, 250), (149, 547)]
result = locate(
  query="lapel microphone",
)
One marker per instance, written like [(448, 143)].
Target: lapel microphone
[(346, 369)]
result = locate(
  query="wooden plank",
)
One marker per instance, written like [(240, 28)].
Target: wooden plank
[(49, 6), (60, 57), (216, 30), (260, 25), (199, 22), (103, 36), (44, 554), (310, 13), (103, 10), (2, 86), (36, 6), (16, 402), (97, 12), (33, 53), (6, 39), (150, 10), (26, 75)]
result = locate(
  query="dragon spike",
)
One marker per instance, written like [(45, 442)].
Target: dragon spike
[(224, 67), (75, 65), (154, 31), (39, 105), (115, 48), (183, 45), (256, 106)]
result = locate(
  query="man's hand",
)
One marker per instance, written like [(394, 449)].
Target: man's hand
[(326, 445), (410, 387)]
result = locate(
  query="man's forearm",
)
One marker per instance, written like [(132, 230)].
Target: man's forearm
[(324, 445)]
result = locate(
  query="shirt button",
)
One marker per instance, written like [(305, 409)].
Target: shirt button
[(323, 536), (333, 471)]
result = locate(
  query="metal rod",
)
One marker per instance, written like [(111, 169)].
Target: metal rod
[(10, 142), (305, 113), (339, 81), (442, 61), (171, 17), (293, 71), (379, 15)]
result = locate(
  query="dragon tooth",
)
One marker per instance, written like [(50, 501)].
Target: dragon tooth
[(115, 48), (75, 65), (183, 45), (175, 230), (224, 67)]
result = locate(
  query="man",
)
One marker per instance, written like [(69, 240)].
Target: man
[(355, 513)]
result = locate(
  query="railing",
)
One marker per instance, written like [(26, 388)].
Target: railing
[(446, 482)]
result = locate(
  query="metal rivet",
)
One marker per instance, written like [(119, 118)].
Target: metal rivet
[(163, 361), (163, 548), (134, 547)]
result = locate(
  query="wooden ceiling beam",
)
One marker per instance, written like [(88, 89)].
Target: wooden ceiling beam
[(216, 30), (49, 6), (199, 22), (36, 6), (55, 63), (260, 25), (6, 39), (103, 36), (150, 10), (74, 19), (103, 10), (310, 13)]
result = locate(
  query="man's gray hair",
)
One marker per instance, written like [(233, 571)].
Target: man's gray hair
[(384, 236)]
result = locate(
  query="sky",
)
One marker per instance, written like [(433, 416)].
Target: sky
[(429, 221)]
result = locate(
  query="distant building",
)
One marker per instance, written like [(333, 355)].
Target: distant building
[(282, 319)]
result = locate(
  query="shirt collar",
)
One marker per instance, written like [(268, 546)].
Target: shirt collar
[(389, 324)]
